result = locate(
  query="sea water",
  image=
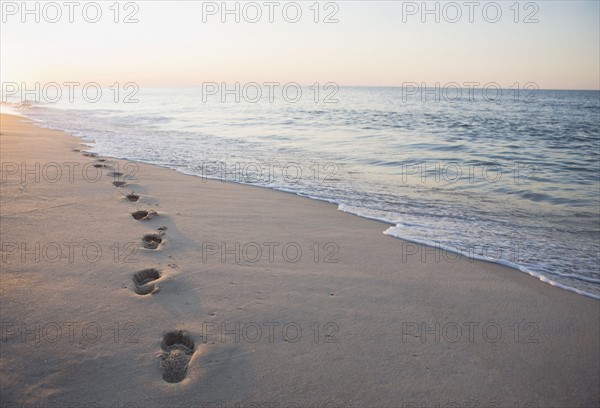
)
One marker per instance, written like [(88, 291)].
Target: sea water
[(512, 179)]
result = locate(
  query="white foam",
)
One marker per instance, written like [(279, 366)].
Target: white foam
[(392, 232)]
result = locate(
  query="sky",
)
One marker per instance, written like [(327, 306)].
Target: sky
[(554, 44)]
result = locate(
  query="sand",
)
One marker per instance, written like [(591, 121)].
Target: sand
[(361, 322)]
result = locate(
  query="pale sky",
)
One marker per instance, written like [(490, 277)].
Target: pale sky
[(370, 45)]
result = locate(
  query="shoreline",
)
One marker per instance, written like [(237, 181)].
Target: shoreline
[(499, 261), (371, 294)]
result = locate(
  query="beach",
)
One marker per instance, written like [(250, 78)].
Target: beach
[(277, 300)]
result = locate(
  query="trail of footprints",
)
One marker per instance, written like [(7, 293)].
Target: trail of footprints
[(144, 281), (152, 241), (177, 346), (143, 214)]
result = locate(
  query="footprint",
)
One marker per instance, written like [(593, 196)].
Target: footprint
[(132, 197), (143, 281), (142, 215), (88, 154), (115, 174), (178, 348), (118, 183), (151, 241)]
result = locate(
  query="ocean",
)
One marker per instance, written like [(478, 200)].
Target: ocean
[(512, 178)]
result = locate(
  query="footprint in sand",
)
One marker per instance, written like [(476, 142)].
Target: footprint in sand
[(151, 241), (118, 183), (114, 174), (103, 163), (143, 215), (144, 281), (178, 348), (88, 154), (132, 197)]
